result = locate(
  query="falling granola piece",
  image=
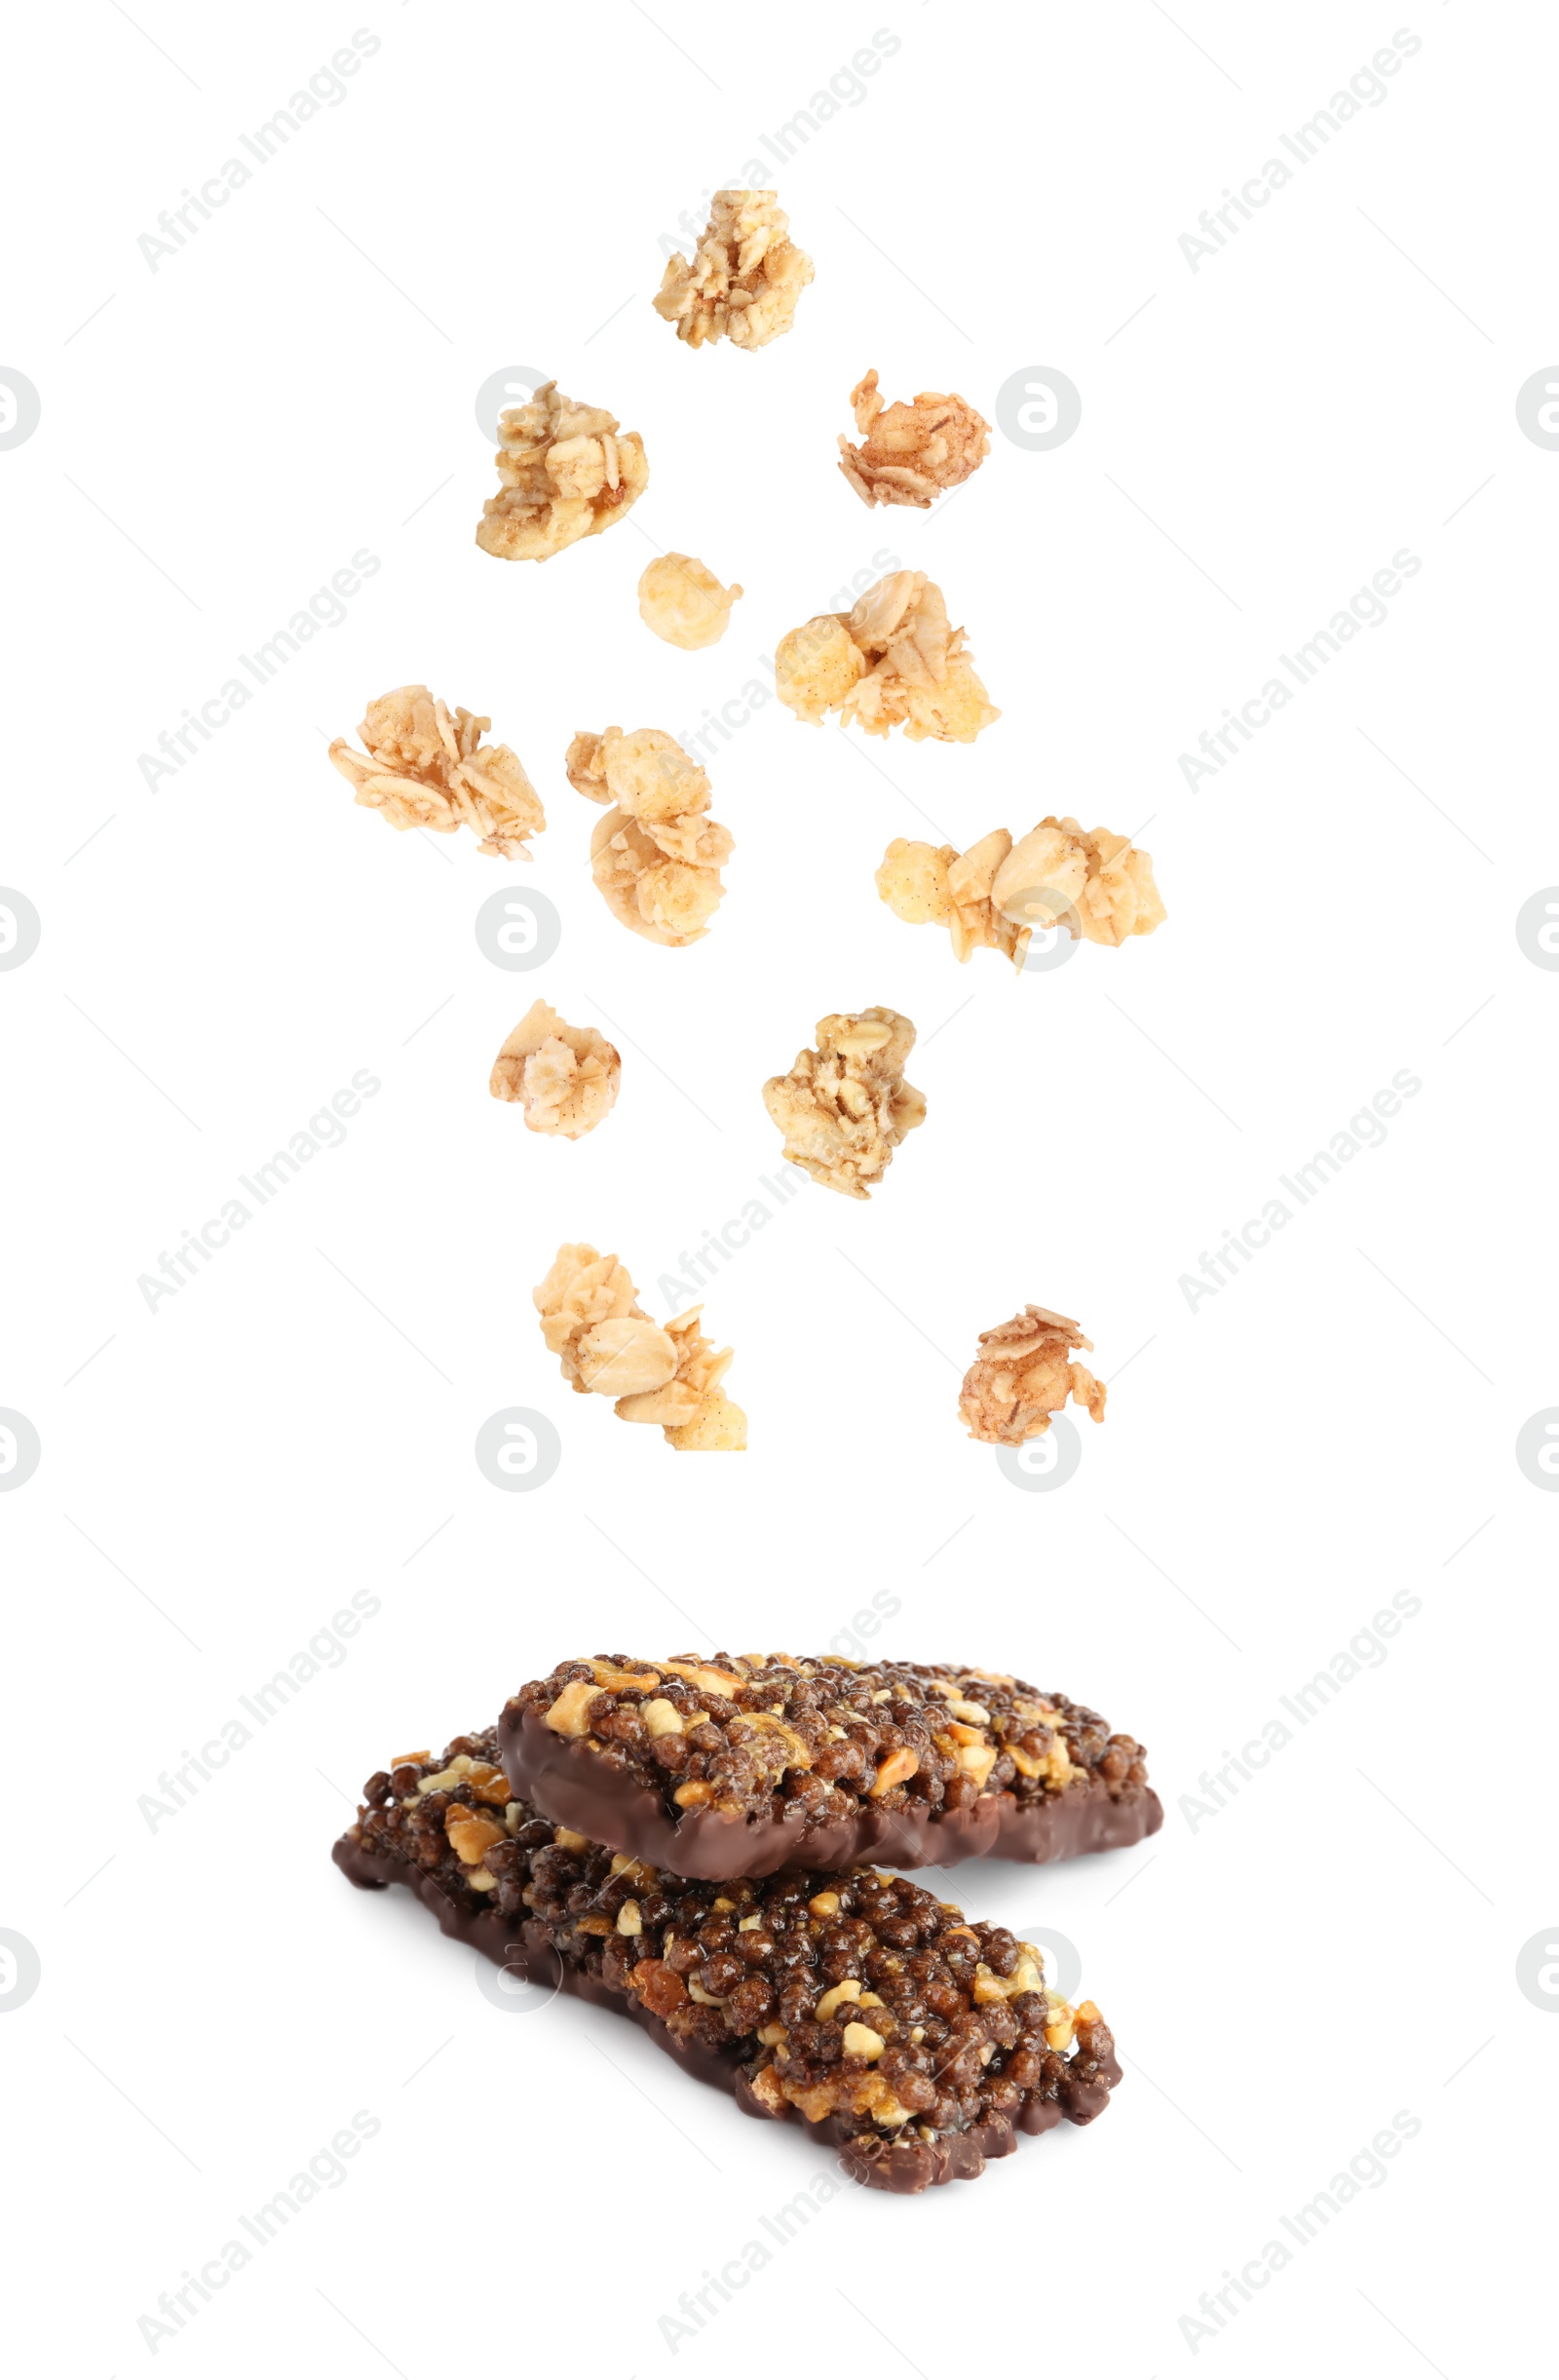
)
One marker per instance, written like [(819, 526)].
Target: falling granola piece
[(1022, 1376), (744, 282), (694, 1411), (914, 452), (925, 886), (684, 603), (591, 1320), (845, 1106), (645, 773), (567, 471), (647, 889), (655, 855), (1060, 872), (817, 666), (428, 767), (893, 661), (566, 1075), (1094, 886)]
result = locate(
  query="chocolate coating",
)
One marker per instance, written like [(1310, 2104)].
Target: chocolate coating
[(904, 2168), (568, 1781), (756, 1986)]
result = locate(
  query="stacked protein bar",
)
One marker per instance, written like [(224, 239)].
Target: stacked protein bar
[(682, 1840)]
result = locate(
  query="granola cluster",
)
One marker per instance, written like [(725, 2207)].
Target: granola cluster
[(655, 855), (1097, 886), (684, 603), (1023, 1375), (443, 1815), (893, 661), (744, 282), (857, 1996), (565, 1076), (747, 1736), (426, 766), (608, 1346), (912, 453), (845, 1106), (566, 471)]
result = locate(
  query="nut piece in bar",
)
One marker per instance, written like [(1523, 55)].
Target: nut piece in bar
[(918, 2045), (566, 472), (655, 855), (1023, 1375), (914, 452), (893, 661), (684, 603), (744, 279), (425, 766), (608, 1346), (744, 1765), (845, 1106), (565, 1076), (1089, 883)]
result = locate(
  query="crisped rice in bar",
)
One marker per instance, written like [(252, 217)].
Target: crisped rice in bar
[(916, 2043), (743, 1766)]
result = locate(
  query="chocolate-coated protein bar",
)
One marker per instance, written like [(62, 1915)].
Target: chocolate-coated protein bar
[(749, 1765), (915, 2043)]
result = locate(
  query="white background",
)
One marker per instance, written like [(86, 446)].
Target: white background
[(1258, 438)]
